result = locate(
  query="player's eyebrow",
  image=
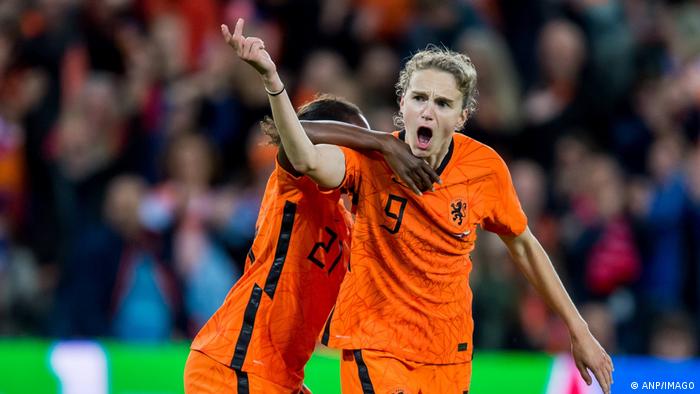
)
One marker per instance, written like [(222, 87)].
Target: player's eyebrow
[(437, 96)]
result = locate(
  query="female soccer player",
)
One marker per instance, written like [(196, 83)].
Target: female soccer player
[(403, 316)]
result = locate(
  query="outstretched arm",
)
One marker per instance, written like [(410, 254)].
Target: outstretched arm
[(415, 172), (533, 261), (303, 155)]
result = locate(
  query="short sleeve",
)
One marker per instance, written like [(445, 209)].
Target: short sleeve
[(353, 164), (505, 216)]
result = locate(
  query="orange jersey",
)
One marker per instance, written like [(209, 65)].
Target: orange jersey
[(271, 319), (407, 289)]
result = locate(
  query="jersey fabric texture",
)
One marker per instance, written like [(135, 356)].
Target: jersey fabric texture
[(271, 319), (407, 290)]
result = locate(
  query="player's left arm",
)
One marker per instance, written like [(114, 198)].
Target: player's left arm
[(533, 261)]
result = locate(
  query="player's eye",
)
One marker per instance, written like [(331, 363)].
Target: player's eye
[(443, 104), (419, 97)]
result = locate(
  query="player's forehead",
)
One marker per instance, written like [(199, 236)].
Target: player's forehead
[(434, 82)]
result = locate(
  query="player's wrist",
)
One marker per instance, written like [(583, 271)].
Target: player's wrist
[(578, 329), (272, 82), (386, 143)]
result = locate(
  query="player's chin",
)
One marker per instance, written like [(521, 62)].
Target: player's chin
[(420, 153)]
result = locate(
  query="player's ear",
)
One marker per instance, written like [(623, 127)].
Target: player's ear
[(462, 120)]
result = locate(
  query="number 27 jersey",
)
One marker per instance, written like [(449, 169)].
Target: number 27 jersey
[(271, 319)]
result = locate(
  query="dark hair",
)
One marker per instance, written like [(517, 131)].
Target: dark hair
[(322, 107)]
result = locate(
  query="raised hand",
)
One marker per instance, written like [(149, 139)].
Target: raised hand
[(418, 175), (250, 49)]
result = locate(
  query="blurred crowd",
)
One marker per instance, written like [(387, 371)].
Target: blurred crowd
[(132, 165)]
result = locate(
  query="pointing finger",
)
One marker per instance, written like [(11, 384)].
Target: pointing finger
[(238, 30)]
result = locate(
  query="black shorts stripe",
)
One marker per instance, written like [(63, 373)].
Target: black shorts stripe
[(242, 382), (282, 247), (251, 256), (363, 372), (327, 328), (246, 333)]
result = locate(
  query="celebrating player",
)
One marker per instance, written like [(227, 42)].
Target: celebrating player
[(264, 333), (403, 316)]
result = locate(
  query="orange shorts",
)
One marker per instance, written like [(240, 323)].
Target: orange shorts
[(204, 375), (372, 371)]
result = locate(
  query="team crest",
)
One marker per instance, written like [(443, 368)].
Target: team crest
[(458, 211)]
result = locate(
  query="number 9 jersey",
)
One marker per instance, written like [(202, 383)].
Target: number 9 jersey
[(270, 320), (407, 289)]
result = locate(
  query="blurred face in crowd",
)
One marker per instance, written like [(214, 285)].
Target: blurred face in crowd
[(191, 161), (81, 149), (606, 186), (673, 337), (122, 204), (432, 111), (98, 98), (169, 35), (561, 51), (665, 158), (323, 70), (530, 182), (377, 69)]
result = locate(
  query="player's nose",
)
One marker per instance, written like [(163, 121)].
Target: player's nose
[(427, 112)]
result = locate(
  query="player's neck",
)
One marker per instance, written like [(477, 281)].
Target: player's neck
[(436, 159)]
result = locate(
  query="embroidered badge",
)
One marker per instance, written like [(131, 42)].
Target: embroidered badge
[(458, 211)]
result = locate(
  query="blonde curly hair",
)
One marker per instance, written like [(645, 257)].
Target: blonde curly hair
[(443, 59)]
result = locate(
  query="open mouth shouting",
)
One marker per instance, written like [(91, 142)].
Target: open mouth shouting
[(424, 134)]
